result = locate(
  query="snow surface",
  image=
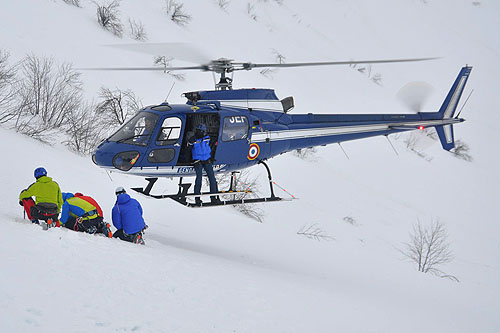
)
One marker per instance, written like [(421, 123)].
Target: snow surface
[(215, 270)]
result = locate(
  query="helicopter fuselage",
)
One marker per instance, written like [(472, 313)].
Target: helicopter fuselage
[(249, 125)]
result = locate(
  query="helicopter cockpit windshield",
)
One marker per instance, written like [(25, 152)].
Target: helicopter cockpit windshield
[(138, 130)]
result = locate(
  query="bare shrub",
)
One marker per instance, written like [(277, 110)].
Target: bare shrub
[(251, 11), (176, 13), (164, 62), (75, 3), (223, 4), (306, 153), (412, 142), (461, 151), (314, 232), (366, 70), (137, 31), (247, 183), (428, 248), (351, 220), (116, 106), (279, 58), (107, 17), (7, 87), (85, 129), (46, 96)]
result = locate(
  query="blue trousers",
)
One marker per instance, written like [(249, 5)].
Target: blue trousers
[(198, 167)]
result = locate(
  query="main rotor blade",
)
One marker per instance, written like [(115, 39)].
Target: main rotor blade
[(203, 68), (351, 62), (181, 51)]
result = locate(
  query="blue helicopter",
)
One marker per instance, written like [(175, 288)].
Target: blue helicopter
[(248, 127)]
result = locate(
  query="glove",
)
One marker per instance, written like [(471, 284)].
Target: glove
[(21, 203)]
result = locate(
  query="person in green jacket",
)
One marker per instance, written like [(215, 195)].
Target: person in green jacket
[(48, 199)]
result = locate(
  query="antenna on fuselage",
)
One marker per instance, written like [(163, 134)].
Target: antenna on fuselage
[(343, 151), (394, 148), (166, 99)]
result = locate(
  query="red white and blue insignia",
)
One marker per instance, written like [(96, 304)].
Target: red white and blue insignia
[(253, 151)]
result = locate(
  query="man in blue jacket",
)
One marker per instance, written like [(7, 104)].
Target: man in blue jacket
[(199, 144), (127, 218)]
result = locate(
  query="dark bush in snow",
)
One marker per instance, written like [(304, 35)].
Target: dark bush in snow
[(107, 16), (176, 13), (461, 151)]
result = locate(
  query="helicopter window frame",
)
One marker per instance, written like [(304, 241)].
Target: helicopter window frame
[(232, 131), (133, 131), (169, 134)]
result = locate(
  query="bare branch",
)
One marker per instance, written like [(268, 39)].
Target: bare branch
[(314, 232)]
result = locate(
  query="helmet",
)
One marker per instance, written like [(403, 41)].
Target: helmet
[(201, 127), (40, 172), (120, 190)]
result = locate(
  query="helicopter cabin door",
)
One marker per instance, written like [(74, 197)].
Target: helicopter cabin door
[(211, 122), (166, 148)]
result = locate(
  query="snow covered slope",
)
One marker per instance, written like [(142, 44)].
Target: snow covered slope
[(214, 270)]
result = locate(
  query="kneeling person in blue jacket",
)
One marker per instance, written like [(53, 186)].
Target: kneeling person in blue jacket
[(127, 218)]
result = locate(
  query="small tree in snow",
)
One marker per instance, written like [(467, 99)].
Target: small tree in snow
[(248, 185), (85, 129), (164, 62), (7, 87), (223, 4), (75, 3), (429, 248), (251, 11), (137, 31), (176, 13), (107, 16), (314, 232), (116, 106), (306, 153), (461, 151), (45, 96)]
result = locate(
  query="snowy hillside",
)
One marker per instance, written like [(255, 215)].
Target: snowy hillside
[(215, 270)]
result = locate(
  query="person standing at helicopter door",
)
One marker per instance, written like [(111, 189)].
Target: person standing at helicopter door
[(201, 152)]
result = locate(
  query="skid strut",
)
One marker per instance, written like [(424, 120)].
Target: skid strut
[(182, 192)]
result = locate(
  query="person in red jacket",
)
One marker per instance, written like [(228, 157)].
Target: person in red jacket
[(91, 201)]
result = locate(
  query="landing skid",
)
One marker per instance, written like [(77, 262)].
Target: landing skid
[(182, 194)]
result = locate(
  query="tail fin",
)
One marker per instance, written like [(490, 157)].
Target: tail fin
[(447, 110)]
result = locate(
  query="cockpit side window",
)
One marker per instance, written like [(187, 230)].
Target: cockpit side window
[(235, 128), (137, 130), (170, 131)]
